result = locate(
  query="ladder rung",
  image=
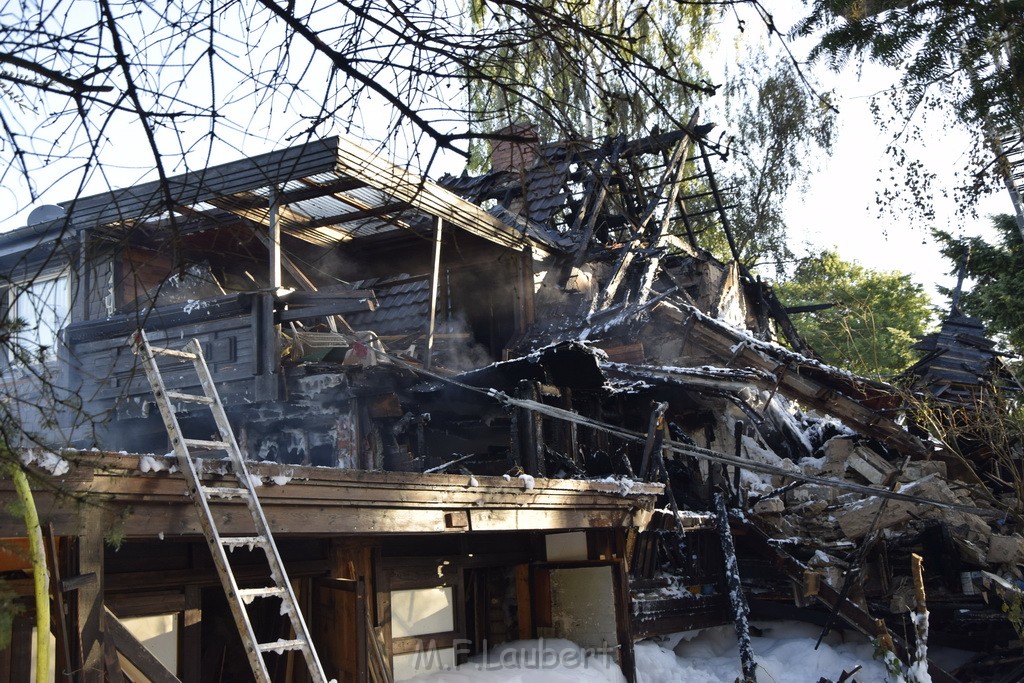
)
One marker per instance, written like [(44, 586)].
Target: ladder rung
[(209, 445), (224, 491), (247, 594), (191, 398), (282, 645), (239, 541), (173, 353)]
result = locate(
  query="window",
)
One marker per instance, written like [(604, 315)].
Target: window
[(42, 306)]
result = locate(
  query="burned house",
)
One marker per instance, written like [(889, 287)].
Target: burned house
[(464, 404)]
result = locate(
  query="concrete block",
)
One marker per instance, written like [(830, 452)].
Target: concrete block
[(1005, 550), (869, 465), (857, 519), (920, 469), (837, 450), (769, 506)]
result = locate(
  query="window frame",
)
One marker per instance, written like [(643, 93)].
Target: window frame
[(29, 338)]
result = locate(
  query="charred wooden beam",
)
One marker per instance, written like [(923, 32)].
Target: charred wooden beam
[(359, 214), (655, 432), (741, 613), (809, 308), (435, 278)]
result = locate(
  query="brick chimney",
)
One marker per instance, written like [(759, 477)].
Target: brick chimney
[(515, 155)]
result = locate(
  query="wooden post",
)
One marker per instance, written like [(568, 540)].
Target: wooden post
[(190, 639), (736, 471), (361, 631), (525, 313), (435, 277), (530, 431), (654, 438), (89, 597), (275, 240), (624, 621), (524, 605), (64, 651), (920, 655), (739, 603)]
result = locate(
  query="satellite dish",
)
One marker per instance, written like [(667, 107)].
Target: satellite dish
[(45, 214)]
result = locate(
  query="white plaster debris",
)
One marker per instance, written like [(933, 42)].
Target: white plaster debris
[(193, 305), (46, 460), (280, 479), (473, 483), (506, 477), (255, 480), (528, 482)]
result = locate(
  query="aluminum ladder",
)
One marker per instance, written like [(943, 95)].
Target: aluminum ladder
[(206, 496)]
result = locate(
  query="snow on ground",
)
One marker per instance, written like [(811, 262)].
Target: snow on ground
[(532, 661), (785, 654)]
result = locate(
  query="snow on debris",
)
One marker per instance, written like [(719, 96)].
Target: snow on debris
[(625, 485), (153, 463), (46, 460), (528, 482)]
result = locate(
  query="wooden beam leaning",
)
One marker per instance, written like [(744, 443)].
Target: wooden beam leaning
[(118, 635), (740, 610), (435, 277), (275, 241), (739, 351), (658, 238)]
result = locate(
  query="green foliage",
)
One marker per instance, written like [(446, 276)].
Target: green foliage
[(114, 534), (642, 67), (778, 128), (963, 60), (997, 296), (874, 321), (9, 609), (1015, 613)]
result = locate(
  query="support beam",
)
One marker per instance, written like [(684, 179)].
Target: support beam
[(89, 597), (435, 277), (190, 639)]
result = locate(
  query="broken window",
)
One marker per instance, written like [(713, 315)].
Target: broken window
[(42, 308)]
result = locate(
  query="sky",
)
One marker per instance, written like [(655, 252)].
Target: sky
[(838, 209)]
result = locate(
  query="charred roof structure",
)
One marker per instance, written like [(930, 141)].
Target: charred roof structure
[(487, 393)]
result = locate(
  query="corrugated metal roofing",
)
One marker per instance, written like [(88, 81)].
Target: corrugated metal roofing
[(330, 190)]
